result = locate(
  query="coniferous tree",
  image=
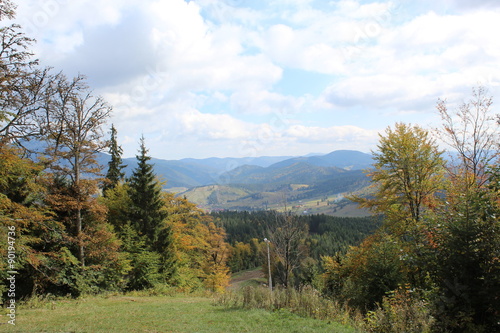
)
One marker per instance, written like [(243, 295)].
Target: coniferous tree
[(115, 165), (147, 214)]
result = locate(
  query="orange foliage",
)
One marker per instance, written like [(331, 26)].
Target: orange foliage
[(201, 249)]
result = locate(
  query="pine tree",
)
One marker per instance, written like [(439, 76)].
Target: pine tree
[(115, 165), (147, 214)]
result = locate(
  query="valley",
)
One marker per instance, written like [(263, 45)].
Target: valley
[(313, 184)]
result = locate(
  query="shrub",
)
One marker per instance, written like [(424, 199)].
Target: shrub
[(401, 311)]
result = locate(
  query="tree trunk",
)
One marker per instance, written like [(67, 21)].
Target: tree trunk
[(81, 250)]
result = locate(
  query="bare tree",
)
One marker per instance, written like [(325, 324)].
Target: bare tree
[(287, 236), (472, 131), (7, 9), (23, 86), (72, 127)]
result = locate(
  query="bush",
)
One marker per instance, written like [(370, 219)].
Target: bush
[(145, 271), (401, 311)]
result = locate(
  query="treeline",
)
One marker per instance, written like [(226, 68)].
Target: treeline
[(315, 235), (64, 227), (432, 265)]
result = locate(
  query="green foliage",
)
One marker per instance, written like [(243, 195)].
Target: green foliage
[(408, 175), (400, 311), (145, 271), (367, 272), (118, 203), (444, 247), (467, 244), (328, 235), (146, 212), (114, 174), (309, 274)]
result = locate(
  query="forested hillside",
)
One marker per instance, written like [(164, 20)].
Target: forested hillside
[(307, 188), (324, 236)]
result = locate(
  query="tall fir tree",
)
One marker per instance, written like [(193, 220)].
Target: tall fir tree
[(147, 213), (115, 165)]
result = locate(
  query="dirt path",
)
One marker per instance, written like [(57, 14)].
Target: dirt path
[(248, 276)]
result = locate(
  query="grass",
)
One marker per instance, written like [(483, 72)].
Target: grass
[(157, 314)]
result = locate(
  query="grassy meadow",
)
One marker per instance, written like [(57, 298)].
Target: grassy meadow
[(123, 313)]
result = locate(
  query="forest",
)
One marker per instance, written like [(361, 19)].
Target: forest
[(428, 260)]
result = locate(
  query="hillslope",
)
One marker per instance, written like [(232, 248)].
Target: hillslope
[(311, 184), (128, 313), (315, 184)]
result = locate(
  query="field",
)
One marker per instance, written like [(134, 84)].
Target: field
[(156, 314), (220, 197)]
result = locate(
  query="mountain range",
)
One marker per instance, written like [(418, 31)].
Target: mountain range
[(313, 183), (190, 172)]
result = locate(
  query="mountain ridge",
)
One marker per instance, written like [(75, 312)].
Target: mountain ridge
[(190, 172)]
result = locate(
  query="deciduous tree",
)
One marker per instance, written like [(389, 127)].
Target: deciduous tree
[(287, 238), (23, 86), (408, 174), (72, 128), (473, 134)]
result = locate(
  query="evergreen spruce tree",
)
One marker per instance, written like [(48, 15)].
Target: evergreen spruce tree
[(115, 166), (147, 213)]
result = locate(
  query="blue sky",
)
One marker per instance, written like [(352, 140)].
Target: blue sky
[(239, 78)]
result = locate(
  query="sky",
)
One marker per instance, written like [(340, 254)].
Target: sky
[(244, 78)]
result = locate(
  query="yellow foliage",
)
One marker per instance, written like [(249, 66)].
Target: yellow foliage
[(201, 249)]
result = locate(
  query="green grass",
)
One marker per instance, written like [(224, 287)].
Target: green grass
[(157, 314)]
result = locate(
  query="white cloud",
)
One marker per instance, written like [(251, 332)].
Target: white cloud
[(337, 134), (208, 73), (265, 102), (426, 58), (213, 126)]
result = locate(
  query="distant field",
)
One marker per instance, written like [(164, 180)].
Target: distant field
[(220, 197), (123, 314)]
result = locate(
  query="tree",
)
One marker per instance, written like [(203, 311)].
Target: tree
[(114, 174), (147, 214), (408, 179), (118, 203), (367, 272), (23, 87), (287, 238), (21, 208), (408, 174), (72, 128), (465, 232), (198, 252), (472, 132), (216, 271), (7, 9), (466, 270)]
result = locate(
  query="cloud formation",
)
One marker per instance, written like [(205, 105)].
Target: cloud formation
[(207, 78)]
